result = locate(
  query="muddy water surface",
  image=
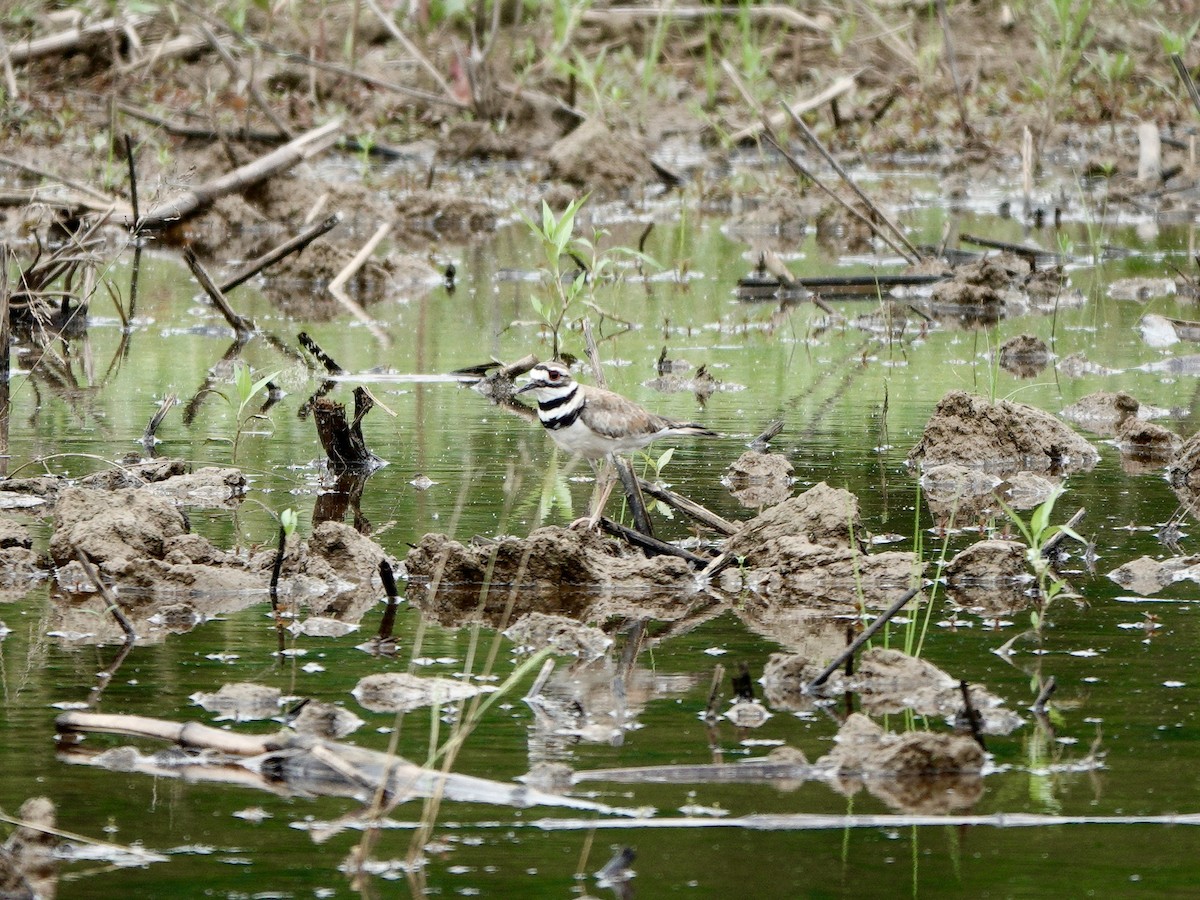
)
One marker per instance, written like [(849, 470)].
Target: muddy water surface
[(854, 397)]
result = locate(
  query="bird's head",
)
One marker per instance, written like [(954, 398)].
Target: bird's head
[(548, 379)]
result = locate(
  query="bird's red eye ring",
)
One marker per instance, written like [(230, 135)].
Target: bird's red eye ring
[(554, 375)]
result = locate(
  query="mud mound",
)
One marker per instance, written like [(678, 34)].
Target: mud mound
[(808, 551), (979, 284), (1102, 411), (799, 573), (887, 681), (1001, 436), (918, 771), (821, 515), (759, 479), (990, 578), (987, 562), (1024, 355), (564, 636), (1148, 576), (1147, 441), (113, 527), (1184, 473), (600, 160), (555, 570)]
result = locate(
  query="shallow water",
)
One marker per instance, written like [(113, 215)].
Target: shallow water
[(853, 404)]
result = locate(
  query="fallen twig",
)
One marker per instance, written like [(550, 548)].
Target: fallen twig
[(688, 507), (394, 30), (72, 37), (165, 406), (646, 542), (110, 601), (291, 245), (869, 632), (308, 144), (240, 324), (798, 108), (337, 287), (913, 253)]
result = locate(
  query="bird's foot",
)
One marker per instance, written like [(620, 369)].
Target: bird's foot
[(587, 523)]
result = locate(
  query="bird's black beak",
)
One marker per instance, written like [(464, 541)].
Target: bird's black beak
[(527, 387)]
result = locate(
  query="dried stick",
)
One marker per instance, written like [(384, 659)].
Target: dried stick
[(1043, 697), (1186, 77), (974, 719), (654, 545), (777, 120), (944, 21), (96, 197), (913, 253), (240, 324), (133, 195), (185, 734), (867, 634), (10, 77), (688, 507), (330, 364), (308, 144), (73, 37), (164, 407), (252, 88), (111, 601), (388, 623), (410, 48), (633, 495), (337, 287), (763, 441), (798, 166), (1058, 536), (291, 245)]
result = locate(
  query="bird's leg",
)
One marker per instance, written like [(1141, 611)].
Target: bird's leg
[(605, 479)]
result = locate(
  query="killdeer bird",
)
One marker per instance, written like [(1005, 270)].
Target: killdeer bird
[(596, 423)]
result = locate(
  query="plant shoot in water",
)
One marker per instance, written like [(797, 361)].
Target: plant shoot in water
[(570, 289), (246, 390), (1037, 533)]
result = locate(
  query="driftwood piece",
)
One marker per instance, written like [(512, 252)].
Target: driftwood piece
[(862, 287), (240, 324), (869, 632), (72, 37), (649, 543), (202, 195), (291, 245), (688, 507), (343, 441), (798, 108), (297, 764), (1033, 254), (337, 287)]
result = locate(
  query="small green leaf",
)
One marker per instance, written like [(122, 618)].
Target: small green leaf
[(287, 521), (661, 462)]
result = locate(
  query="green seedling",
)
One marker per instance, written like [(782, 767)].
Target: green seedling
[(245, 390), (1037, 532)]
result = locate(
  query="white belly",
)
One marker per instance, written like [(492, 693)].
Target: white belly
[(578, 438)]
